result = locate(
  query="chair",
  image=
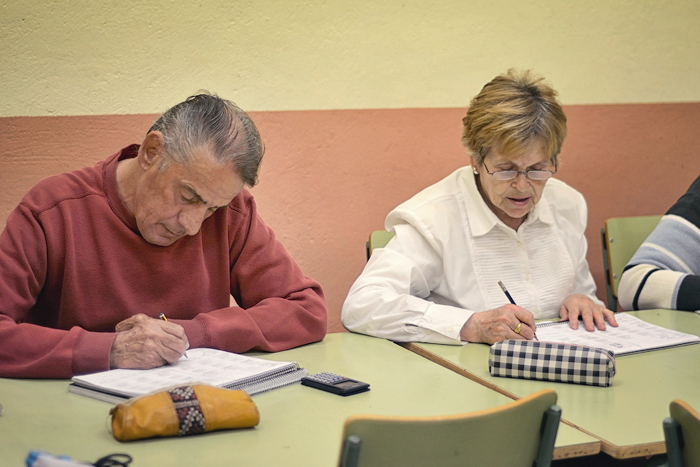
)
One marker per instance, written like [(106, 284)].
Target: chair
[(621, 237), (521, 433), (682, 433), (377, 239)]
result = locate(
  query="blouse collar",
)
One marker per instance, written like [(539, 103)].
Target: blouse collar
[(482, 219)]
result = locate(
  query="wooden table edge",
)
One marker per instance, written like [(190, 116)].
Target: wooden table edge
[(578, 450), (632, 450)]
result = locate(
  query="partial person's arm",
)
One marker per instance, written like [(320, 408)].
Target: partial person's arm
[(664, 272), (30, 350), (582, 303), (392, 299), (278, 307)]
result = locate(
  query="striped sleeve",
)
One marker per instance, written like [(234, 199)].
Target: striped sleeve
[(665, 271)]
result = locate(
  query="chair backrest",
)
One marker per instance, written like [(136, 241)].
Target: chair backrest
[(516, 434), (621, 237), (378, 239), (682, 433)]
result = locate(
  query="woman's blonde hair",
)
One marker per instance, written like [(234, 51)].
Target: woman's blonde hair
[(514, 111)]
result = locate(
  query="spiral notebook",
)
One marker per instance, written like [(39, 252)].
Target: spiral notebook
[(632, 335), (208, 366)]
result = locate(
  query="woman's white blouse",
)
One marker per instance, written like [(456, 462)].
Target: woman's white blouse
[(450, 251)]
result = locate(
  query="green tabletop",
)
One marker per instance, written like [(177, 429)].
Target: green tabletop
[(627, 416), (298, 425)]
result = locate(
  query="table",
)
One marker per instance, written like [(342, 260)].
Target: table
[(298, 426), (626, 417)]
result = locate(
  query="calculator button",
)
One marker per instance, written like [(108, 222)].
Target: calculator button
[(327, 377)]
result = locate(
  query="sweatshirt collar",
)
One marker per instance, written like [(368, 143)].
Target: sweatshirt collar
[(112, 189)]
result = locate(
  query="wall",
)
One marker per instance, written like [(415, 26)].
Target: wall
[(360, 105)]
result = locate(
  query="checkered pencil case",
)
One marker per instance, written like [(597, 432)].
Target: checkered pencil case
[(551, 361)]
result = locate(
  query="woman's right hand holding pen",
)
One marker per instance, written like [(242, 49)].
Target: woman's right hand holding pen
[(499, 324)]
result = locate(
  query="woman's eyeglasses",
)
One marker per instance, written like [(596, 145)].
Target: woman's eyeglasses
[(504, 175)]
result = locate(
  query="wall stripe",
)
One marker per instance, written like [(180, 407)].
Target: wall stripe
[(330, 177)]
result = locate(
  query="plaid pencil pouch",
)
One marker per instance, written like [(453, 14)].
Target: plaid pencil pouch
[(551, 361)]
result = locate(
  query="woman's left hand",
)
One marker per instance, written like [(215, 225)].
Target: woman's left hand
[(579, 306)]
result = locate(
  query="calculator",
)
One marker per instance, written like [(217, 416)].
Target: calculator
[(335, 384)]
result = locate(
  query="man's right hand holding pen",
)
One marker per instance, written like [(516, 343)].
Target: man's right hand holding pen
[(143, 342)]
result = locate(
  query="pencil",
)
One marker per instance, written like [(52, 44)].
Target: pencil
[(510, 299), (162, 316)]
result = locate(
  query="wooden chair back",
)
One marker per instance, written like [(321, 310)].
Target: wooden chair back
[(377, 239), (519, 434), (682, 434), (621, 238)]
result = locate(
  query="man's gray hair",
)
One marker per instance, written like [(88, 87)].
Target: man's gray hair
[(206, 120)]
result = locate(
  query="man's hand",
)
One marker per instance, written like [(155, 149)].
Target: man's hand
[(499, 324), (143, 342), (579, 306)]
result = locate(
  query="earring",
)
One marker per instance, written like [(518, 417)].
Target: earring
[(476, 172)]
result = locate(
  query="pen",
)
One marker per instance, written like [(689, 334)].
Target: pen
[(162, 316), (510, 299)]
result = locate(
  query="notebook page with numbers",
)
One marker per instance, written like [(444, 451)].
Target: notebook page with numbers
[(209, 366), (632, 335)]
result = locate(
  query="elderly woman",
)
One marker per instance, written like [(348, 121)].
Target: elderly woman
[(502, 219)]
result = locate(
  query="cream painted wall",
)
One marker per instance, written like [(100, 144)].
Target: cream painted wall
[(87, 58)]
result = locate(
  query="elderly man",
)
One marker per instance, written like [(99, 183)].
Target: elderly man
[(90, 259)]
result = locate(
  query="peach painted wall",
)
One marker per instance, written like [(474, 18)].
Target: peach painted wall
[(330, 177)]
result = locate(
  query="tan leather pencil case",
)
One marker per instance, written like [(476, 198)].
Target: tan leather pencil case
[(182, 411)]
